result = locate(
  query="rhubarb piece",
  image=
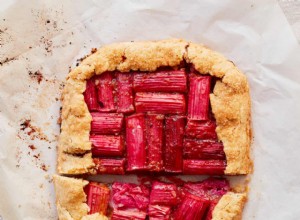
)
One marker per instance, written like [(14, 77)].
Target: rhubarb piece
[(154, 135), (160, 81), (107, 145), (136, 142), (174, 143), (191, 208), (158, 212), (106, 123), (105, 85), (210, 210), (90, 96), (125, 93), (201, 167), (98, 196), (210, 189), (198, 104), (128, 215), (201, 129), (129, 195), (163, 194), (161, 103), (110, 166), (202, 149)]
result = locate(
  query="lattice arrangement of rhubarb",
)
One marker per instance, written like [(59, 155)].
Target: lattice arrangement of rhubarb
[(158, 200), (154, 122)]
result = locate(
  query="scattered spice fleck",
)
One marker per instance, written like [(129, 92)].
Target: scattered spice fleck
[(32, 147), (44, 167), (25, 125), (37, 75), (7, 60), (37, 156), (32, 131)]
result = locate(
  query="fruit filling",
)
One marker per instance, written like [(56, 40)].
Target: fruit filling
[(154, 122), (156, 200)]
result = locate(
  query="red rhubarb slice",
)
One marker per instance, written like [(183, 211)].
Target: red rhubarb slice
[(107, 145), (201, 129), (210, 210), (163, 194), (174, 143), (124, 93), (105, 85), (130, 196), (98, 196), (90, 95), (191, 208), (202, 167), (158, 212), (160, 81), (210, 189), (127, 215), (161, 103), (198, 104), (136, 142), (106, 123), (154, 135), (202, 149), (110, 166)]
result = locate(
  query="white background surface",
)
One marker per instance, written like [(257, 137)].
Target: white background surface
[(253, 34)]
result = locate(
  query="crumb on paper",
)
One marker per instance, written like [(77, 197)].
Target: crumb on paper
[(32, 131), (37, 76), (7, 60), (44, 167)]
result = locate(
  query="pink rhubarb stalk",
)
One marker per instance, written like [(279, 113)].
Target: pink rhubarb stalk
[(202, 149), (106, 123), (164, 194), (136, 142), (211, 189), (90, 95), (110, 166), (174, 143), (191, 208), (154, 135), (98, 196), (128, 215), (107, 145), (161, 103), (210, 210), (158, 212), (106, 92), (198, 105), (201, 129), (124, 93), (130, 196), (204, 167), (160, 81)]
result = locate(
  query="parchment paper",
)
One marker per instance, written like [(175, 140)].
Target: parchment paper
[(39, 40)]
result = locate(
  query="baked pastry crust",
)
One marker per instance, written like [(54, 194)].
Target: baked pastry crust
[(71, 199), (230, 207), (230, 99)]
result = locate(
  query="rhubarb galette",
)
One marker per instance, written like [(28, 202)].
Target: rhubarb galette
[(165, 107)]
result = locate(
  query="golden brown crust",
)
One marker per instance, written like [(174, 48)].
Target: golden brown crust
[(230, 207), (232, 112), (71, 199), (230, 100)]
